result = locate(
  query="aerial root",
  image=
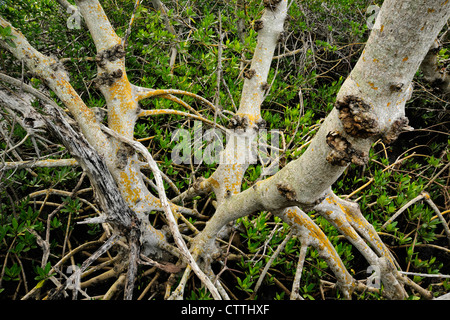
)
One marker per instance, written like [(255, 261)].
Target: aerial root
[(345, 217), (348, 219), (311, 235)]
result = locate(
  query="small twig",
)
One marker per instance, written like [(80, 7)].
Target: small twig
[(74, 278), (271, 260), (19, 144), (153, 112), (144, 292), (128, 32), (145, 93), (219, 69), (427, 275), (415, 239), (437, 175), (398, 161), (115, 287), (158, 5), (295, 295)]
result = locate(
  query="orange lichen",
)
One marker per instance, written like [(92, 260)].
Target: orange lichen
[(214, 183), (372, 85), (128, 183)]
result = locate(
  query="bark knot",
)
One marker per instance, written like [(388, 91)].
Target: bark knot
[(122, 156), (356, 117), (342, 151), (58, 67), (271, 4), (265, 86), (396, 87), (282, 37), (258, 25), (114, 53), (286, 191), (261, 124), (397, 127), (197, 183), (239, 122), (108, 78), (249, 73)]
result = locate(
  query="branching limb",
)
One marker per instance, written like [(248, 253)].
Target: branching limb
[(158, 5), (57, 79), (168, 211), (311, 235), (348, 221), (295, 295), (141, 91), (144, 93), (154, 112)]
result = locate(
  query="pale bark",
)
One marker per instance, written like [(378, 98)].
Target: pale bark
[(370, 105)]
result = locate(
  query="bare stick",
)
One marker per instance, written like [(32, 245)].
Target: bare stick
[(427, 275), (439, 214), (406, 206), (127, 34), (144, 113), (271, 260), (295, 295)]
